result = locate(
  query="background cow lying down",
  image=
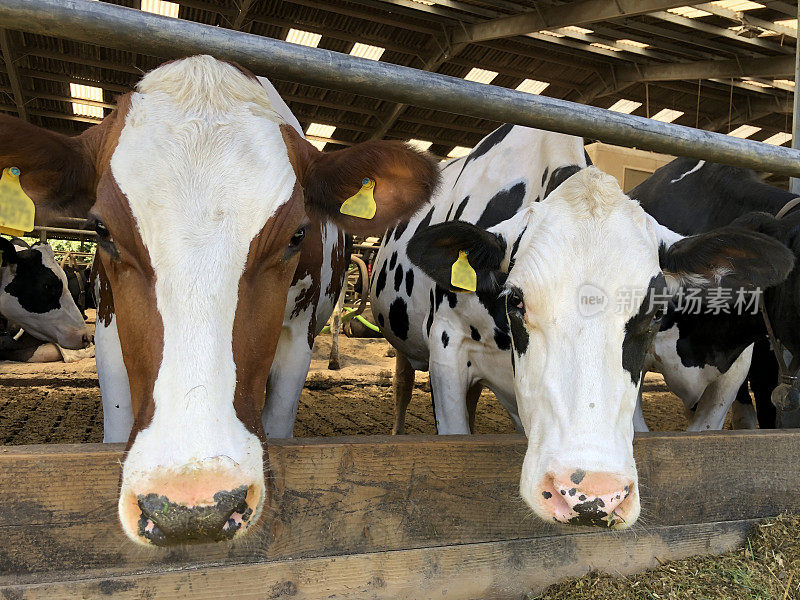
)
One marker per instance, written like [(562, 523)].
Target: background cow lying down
[(34, 296), (544, 233), (204, 198)]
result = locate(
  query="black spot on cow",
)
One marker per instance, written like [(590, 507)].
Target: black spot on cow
[(398, 318), (563, 492), (560, 175), (398, 279), (380, 283), (519, 335), (449, 210), (590, 513), (409, 282), (393, 261), (486, 144), (474, 333), (469, 364), (502, 339), (577, 476), (514, 249), (572, 491), (503, 205), (445, 339), (398, 231), (442, 293), (37, 288), (545, 174), (381, 320), (460, 209), (429, 323), (547, 495), (426, 221), (581, 497)]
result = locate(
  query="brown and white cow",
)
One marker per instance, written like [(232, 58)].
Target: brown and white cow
[(203, 197)]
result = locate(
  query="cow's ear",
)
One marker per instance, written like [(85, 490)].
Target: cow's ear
[(436, 248), (8, 252), (57, 172), (400, 178), (732, 257)]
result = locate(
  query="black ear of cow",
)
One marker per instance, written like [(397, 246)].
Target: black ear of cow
[(9, 252), (732, 257), (435, 249)]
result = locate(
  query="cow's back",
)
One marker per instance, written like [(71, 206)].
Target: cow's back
[(509, 169)]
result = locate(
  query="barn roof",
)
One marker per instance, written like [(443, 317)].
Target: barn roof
[(717, 65)]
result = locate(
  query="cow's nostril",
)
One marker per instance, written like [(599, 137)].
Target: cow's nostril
[(163, 522)]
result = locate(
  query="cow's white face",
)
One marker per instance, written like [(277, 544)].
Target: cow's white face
[(34, 294), (202, 174), (577, 353)]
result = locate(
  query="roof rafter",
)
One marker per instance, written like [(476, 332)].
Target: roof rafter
[(13, 74)]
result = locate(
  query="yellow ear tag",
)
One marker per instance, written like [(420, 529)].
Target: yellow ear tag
[(462, 275), (16, 208), (361, 205)]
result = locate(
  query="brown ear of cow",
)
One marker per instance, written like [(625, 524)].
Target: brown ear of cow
[(58, 172), (404, 179)]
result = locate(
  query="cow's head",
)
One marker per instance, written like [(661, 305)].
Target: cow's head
[(200, 195), (34, 295), (577, 296)]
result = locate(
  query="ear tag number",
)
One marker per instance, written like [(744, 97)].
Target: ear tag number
[(362, 204), (16, 208), (462, 275)]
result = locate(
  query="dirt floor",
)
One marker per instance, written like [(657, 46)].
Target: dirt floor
[(60, 403)]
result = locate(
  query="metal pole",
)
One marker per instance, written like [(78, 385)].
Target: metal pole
[(794, 182), (129, 29)]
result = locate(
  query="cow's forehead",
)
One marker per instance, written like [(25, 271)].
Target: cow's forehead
[(198, 164), (581, 235)]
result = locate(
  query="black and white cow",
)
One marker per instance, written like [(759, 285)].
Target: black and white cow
[(34, 295), (705, 358), (551, 241)]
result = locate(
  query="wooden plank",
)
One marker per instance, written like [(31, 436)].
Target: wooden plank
[(495, 570), (373, 494)]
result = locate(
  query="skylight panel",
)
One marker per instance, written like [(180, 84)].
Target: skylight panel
[(318, 144), (667, 115), (779, 139), (421, 145), (758, 84), (458, 152), (633, 43), (532, 86), (86, 92), (791, 23), (304, 38), (744, 131), (625, 106), (689, 12), (320, 130), (605, 46), (737, 5), (367, 51), (784, 82), (577, 29), (480, 75), (161, 7), (552, 33)]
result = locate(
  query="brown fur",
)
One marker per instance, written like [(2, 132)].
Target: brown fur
[(404, 180)]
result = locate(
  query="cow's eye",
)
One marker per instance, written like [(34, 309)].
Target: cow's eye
[(514, 301), (101, 229), (104, 239), (298, 237)]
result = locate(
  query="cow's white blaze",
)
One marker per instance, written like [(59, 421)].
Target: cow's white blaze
[(575, 398), (203, 165)]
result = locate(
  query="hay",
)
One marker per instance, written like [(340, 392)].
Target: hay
[(767, 567)]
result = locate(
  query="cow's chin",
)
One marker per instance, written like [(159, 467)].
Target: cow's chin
[(201, 503)]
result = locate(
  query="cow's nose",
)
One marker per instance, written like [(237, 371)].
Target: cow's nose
[(163, 522), (189, 511), (86, 339), (578, 497)]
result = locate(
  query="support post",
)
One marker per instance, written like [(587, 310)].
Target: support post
[(794, 182)]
